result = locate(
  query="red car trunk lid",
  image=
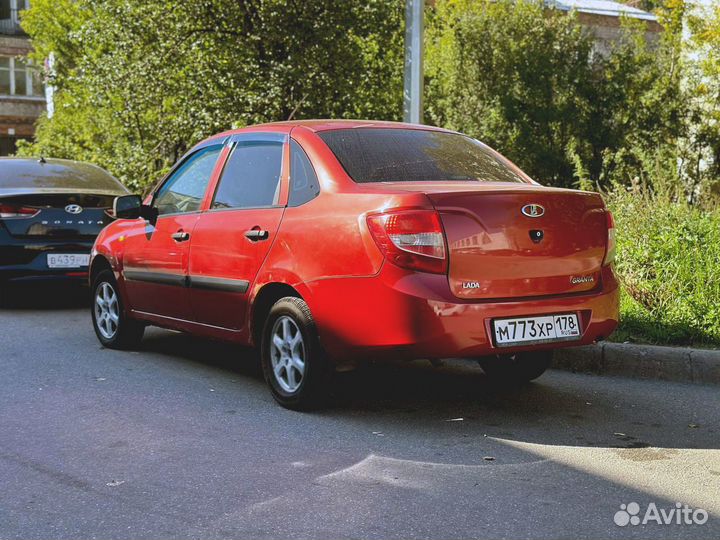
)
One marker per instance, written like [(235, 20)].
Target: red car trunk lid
[(529, 242)]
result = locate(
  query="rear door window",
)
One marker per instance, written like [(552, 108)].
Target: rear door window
[(251, 177), (414, 155), (304, 185)]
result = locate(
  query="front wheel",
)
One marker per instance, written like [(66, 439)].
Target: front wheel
[(517, 368), (293, 362), (113, 327)]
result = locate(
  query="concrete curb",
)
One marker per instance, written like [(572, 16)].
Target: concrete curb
[(642, 362)]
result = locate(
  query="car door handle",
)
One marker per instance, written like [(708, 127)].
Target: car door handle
[(181, 236), (256, 235)]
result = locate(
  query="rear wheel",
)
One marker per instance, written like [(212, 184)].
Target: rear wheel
[(517, 368), (113, 327), (294, 364)]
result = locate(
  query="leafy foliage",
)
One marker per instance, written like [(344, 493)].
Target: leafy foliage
[(703, 149), (669, 265), (530, 82), (512, 76), (138, 82)]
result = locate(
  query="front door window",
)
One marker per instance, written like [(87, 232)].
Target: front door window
[(183, 192)]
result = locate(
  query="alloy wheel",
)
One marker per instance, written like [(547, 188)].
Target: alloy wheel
[(287, 354), (107, 310)]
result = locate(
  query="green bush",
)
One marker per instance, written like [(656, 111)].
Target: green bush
[(668, 262)]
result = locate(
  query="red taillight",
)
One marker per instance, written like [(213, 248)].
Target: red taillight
[(610, 252), (15, 211), (411, 239)]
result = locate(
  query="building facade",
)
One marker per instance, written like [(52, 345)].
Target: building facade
[(22, 95), (603, 19)]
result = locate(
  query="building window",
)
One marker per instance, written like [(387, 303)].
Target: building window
[(19, 78), (10, 15), (8, 145), (9, 9), (5, 9)]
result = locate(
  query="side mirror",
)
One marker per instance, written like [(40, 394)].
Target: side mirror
[(127, 207), (131, 207)]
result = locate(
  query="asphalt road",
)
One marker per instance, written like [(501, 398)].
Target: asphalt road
[(182, 440)]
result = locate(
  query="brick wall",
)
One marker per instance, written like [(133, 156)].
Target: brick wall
[(607, 30), (18, 114)]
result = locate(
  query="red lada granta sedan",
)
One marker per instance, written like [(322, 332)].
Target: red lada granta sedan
[(325, 242)]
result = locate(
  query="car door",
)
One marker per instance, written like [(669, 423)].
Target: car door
[(232, 239), (156, 257)]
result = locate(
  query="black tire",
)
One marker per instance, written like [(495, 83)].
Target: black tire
[(517, 368), (312, 385), (128, 332)]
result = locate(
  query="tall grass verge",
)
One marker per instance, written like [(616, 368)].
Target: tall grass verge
[(668, 262)]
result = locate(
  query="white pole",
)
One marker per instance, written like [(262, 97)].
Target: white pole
[(49, 89), (413, 102)]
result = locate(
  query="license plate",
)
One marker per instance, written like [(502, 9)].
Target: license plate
[(67, 260), (528, 330)]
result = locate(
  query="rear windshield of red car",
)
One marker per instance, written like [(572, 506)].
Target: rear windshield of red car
[(412, 155)]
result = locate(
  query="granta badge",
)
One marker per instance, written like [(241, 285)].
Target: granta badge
[(577, 280), (533, 210)]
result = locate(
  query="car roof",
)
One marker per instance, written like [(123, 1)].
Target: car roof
[(41, 175), (319, 125)]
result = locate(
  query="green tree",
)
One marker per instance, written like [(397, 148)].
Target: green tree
[(513, 75), (529, 81), (639, 105), (703, 148), (139, 82)]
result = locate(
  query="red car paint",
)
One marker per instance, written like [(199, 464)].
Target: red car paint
[(363, 303)]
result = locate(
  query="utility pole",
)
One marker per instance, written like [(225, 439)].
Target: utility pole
[(413, 91)]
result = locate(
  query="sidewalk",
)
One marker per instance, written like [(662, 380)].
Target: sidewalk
[(678, 364)]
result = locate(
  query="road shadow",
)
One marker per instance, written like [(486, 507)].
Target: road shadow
[(559, 408), (228, 357), (44, 295), (143, 443)]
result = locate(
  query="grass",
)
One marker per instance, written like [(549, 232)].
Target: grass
[(637, 325), (668, 262)]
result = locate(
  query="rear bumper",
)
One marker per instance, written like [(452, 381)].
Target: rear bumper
[(399, 314), (25, 260)]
